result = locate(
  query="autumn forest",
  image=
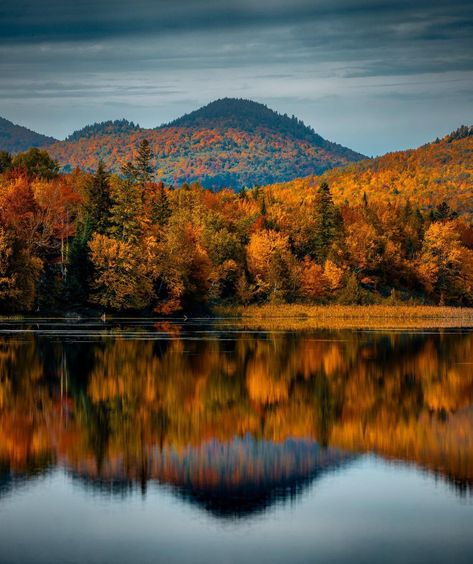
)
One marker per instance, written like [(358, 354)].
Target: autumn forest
[(384, 231)]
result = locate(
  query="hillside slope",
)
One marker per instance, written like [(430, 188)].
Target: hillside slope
[(228, 143), (436, 172), (15, 138)]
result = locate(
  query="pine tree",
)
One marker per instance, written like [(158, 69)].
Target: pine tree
[(127, 217), (99, 201), (328, 223), (140, 171), (143, 167), (443, 212), (80, 267), (161, 209)]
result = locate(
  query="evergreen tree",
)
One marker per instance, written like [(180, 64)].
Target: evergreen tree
[(352, 292), (442, 212), (328, 223), (161, 208), (95, 218), (140, 171), (407, 212), (127, 218), (80, 266), (5, 161), (99, 201), (143, 167)]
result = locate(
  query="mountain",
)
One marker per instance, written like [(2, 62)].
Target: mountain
[(117, 127), (16, 138), (232, 479), (436, 172), (234, 113), (229, 142)]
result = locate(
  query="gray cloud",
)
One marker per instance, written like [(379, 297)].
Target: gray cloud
[(361, 72)]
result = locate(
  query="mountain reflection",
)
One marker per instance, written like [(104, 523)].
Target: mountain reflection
[(233, 421), (237, 478)]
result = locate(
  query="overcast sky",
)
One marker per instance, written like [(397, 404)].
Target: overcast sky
[(374, 75)]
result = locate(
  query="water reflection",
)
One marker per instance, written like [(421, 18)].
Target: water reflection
[(232, 420)]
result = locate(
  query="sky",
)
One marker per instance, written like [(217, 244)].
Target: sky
[(374, 75)]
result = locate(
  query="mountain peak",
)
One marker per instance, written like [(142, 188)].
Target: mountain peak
[(227, 108), (109, 127), (247, 115)]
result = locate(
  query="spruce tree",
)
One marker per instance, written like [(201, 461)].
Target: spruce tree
[(140, 171), (328, 223), (80, 267), (127, 217), (161, 207), (143, 167), (95, 218), (99, 201)]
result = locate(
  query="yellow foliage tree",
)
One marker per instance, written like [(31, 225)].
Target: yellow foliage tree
[(271, 263), (124, 273)]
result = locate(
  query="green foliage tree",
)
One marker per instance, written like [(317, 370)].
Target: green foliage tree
[(351, 293), (37, 163)]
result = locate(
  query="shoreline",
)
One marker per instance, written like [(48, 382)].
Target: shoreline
[(349, 317), (290, 317), (346, 312)]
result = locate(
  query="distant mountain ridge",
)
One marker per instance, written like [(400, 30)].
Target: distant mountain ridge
[(16, 138), (227, 143), (115, 127), (236, 143)]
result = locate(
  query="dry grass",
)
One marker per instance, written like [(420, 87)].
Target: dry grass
[(365, 317)]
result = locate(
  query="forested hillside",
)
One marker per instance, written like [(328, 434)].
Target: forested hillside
[(15, 138), (437, 172), (116, 127), (228, 143), (130, 243)]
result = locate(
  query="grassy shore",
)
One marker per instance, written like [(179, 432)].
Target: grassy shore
[(312, 316), (298, 316)]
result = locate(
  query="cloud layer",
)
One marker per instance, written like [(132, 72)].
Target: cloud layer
[(375, 75)]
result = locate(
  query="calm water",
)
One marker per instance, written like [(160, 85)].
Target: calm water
[(168, 442)]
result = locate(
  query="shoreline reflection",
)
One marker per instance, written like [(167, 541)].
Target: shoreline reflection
[(231, 420)]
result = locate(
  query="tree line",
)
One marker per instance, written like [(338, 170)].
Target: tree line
[(126, 242)]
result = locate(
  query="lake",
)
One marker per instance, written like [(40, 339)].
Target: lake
[(211, 441)]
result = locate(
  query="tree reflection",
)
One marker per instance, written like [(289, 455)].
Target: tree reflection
[(234, 421)]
